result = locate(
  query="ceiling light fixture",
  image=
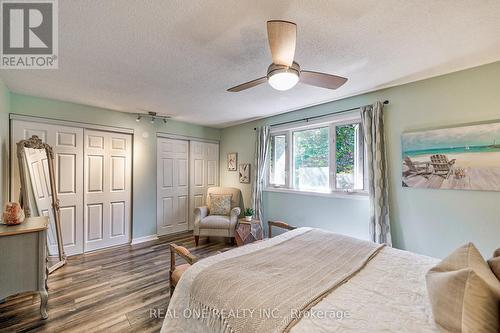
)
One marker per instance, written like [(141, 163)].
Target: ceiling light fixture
[(283, 77), (153, 116), (284, 73)]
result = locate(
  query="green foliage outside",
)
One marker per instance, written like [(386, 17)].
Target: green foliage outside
[(345, 148), (311, 148)]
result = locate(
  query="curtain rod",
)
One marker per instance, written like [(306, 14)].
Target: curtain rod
[(319, 116)]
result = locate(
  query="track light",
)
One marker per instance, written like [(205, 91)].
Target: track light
[(153, 116)]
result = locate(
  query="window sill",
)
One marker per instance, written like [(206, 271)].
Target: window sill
[(358, 195)]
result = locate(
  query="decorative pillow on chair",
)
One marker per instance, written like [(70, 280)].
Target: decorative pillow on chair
[(495, 263), (220, 204), (464, 293)]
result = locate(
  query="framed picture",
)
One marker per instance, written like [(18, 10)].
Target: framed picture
[(232, 161), (457, 158), (245, 173)]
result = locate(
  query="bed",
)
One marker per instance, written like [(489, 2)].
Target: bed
[(387, 293)]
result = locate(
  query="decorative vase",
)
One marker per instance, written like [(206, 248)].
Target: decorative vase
[(13, 213), (248, 218)]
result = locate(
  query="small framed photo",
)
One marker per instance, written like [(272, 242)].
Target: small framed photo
[(232, 161), (245, 173)]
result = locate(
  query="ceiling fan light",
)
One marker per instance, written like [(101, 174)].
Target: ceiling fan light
[(283, 80)]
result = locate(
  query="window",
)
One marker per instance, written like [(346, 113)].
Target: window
[(327, 156), (278, 160), (311, 165)]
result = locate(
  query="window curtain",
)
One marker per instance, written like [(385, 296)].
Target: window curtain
[(261, 155), (373, 126)]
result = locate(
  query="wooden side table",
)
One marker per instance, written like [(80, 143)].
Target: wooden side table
[(248, 232), (23, 259)]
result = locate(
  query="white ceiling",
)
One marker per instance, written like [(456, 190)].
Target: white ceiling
[(179, 57)]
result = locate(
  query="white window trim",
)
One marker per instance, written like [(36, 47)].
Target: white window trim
[(331, 121), (358, 195)]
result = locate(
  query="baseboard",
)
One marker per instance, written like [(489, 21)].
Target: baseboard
[(143, 239)]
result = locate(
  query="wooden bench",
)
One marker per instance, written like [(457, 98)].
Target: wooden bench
[(177, 271), (279, 224)]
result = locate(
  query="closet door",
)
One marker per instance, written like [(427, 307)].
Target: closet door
[(107, 185), (67, 144), (204, 173), (172, 207)]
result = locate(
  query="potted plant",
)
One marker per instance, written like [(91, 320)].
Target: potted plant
[(248, 214)]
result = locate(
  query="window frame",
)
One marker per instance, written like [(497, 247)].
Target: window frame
[(331, 122), (286, 134)]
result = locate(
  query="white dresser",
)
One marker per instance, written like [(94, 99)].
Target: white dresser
[(23, 259)]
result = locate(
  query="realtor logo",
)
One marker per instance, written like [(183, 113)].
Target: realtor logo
[(29, 34)]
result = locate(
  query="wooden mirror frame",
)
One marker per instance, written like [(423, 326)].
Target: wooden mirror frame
[(36, 143)]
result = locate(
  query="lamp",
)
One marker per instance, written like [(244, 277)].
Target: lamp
[(282, 77)]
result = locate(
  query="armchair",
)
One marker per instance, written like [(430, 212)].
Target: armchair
[(217, 225)]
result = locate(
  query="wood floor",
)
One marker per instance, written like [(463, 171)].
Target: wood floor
[(114, 290)]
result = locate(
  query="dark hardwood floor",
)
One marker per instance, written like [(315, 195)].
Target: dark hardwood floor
[(114, 290)]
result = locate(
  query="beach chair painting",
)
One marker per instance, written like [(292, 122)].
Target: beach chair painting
[(442, 167), (414, 169), (462, 157)]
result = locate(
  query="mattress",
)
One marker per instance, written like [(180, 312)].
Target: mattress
[(388, 295)]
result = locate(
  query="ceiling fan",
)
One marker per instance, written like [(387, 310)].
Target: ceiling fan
[(284, 73)]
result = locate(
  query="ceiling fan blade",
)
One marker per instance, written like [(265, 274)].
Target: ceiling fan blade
[(282, 36), (248, 84), (322, 79)]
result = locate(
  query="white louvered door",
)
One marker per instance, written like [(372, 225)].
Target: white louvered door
[(67, 144), (107, 189), (172, 186), (204, 173)]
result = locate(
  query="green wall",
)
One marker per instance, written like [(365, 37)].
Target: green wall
[(431, 222), (4, 146), (144, 164)]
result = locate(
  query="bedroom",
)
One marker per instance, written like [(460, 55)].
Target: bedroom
[(123, 201)]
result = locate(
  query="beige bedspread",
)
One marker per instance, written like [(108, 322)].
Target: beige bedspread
[(387, 295), (290, 278)]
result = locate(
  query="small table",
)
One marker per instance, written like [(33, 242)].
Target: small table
[(248, 232), (23, 259)]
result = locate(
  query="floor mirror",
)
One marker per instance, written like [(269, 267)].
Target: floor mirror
[(39, 194)]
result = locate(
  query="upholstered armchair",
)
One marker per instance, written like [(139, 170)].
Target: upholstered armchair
[(217, 225)]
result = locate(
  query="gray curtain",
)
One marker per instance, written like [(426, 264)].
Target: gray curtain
[(373, 126), (261, 155)]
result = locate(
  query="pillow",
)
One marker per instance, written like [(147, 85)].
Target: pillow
[(495, 263), (220, 204), (464, 293)]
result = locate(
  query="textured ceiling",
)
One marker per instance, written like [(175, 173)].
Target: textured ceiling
[(179, 57)]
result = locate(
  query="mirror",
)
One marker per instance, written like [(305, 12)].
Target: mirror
[(39, 194)]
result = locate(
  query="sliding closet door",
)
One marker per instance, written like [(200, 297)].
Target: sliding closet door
[(204, 173), (67, 144), (172, 186), (108, 166)]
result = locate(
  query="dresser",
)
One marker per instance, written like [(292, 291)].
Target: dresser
[(23, 259)]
